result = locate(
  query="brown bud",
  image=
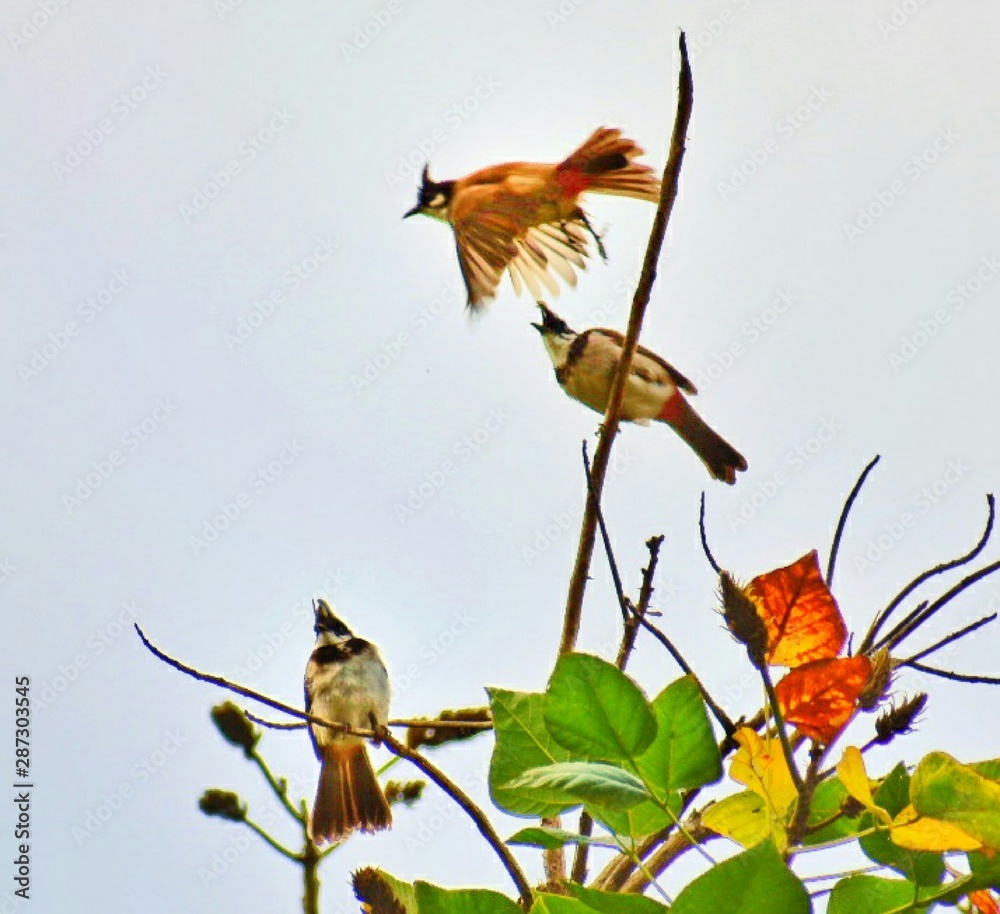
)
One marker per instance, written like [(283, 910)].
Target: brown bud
[(222, 803), (235, 727), (405, 792), (743, 620), (879, 682), (895, 721), (437, 736)]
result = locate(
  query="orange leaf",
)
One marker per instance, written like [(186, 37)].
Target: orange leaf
[(801, 615), (819, 698), (984, 901)]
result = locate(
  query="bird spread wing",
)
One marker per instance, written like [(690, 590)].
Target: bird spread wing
[(650, 367), (492, 234)]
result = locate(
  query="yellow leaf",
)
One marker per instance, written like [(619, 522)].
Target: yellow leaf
[(854, 777), (921, 833), (760, 764), (742, 817)]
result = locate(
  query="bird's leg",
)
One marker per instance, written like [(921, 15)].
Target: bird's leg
[(376, 727), (594, 235)]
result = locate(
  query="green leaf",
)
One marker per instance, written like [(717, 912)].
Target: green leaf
[(921, 867), (434, 900), (752, 882), (641, 820), (684, 752), (522, 742), (945, 789), (825, 804), (568, 784), (615, 902), (989, 769), (871, 895), (587, 901), (592, 708), (550, 838)]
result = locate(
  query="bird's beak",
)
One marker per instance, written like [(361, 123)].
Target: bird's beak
[(539, 327), (412, 212)]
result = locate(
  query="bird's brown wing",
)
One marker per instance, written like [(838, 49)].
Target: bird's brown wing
[(651, 367), (493, 233), (485, 228)]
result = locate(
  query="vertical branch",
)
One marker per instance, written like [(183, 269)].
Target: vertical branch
[(555, 860), (609, 428)]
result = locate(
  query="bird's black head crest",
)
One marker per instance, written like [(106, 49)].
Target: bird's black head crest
[(326, 621), (551, 322), (432, 196)]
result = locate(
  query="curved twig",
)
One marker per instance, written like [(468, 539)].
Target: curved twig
[(883, 616), (470, 808), (955, 677), (914, 621), (412, 723), (842, 523), (704, 538), (954, 636), (387, 739)]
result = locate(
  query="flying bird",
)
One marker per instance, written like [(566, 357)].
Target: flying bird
[(525, 217), (346, 682), (585, 365)]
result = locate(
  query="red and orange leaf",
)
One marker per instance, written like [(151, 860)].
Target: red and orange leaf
[(984, 902), (802, 617), (819, 698)]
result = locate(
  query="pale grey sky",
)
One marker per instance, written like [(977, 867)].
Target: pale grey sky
[(215, 306)]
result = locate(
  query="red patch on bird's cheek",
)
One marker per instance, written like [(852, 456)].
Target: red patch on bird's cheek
[(671, 411), (572, 182)]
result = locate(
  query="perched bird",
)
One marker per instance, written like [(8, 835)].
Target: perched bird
[(346, 682), (585, 366), (525, 217)]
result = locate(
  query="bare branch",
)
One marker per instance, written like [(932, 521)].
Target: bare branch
[(609, 428), (914, 621), (883, 616), (954, 636), (842, 523), (704, 538), (470, 808), (955, 677)]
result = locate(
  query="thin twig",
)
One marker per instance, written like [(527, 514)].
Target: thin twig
[(883, 616), (609, 427), (605, 537), (956, 677), (280, 848), (676, 845), (631, 629), (470, 808), (803, 806), (779, 725), (724, 720), (954, 636), (842, 523), (704, 538), (901, 632), (412, 723), (390, 742)]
